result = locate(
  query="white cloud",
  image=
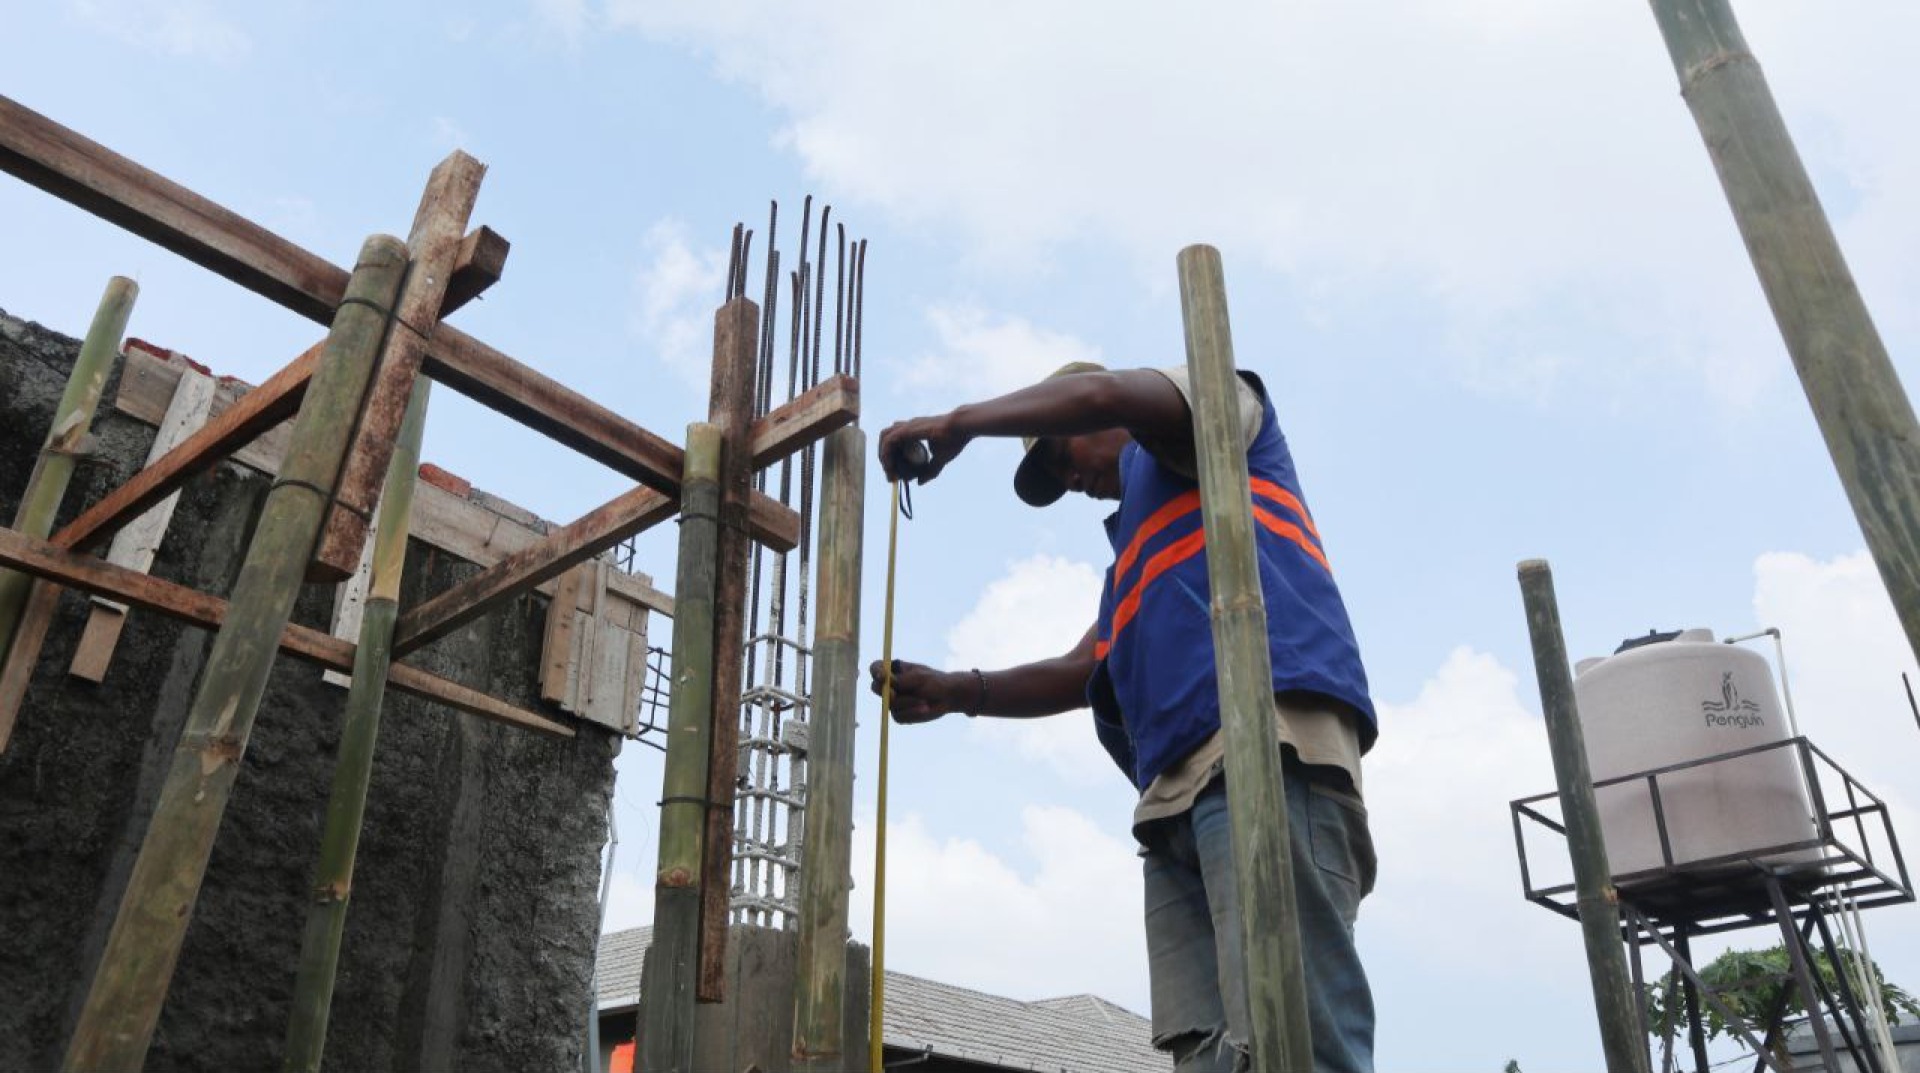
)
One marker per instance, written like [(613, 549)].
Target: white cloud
[(193, 29), (1039, 609), (960, 913), (1530, 167), (675, 293), (989, 355)]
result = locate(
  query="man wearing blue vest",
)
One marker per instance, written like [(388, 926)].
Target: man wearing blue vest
[(1146, 668)]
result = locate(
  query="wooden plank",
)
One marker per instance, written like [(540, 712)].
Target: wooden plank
[(135, 545), (93, 177), (483, 256), (29, 635), (84, 572), (349, 610), (557, 644), (253, 413), (595, 532), (814, 415), (736, 334), (432, 246)]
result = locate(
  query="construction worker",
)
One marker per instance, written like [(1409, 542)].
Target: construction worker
[(1146, 668)]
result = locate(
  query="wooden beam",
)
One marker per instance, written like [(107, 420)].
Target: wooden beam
[(595, 532), (432, 247), (252, 414), (77, 571), (815, 415), (108, 185), (547, 406), (810, 417), (482, 258), (86, 174)]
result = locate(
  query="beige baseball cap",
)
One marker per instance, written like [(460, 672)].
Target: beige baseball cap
[(1032, 481)]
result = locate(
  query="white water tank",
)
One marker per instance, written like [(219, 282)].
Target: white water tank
[(1687, 698)]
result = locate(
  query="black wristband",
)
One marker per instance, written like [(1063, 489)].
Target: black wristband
[(980, 693)]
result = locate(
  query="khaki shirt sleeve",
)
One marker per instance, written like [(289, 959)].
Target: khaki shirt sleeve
[(1179, 456)]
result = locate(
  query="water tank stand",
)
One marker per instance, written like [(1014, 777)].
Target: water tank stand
[(1804, 932)]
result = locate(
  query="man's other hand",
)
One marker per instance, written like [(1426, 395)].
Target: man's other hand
[(920, 693)]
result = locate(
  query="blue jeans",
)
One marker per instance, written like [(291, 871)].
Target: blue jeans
[(1195, 957)]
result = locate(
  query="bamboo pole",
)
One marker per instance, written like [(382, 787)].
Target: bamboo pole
[(672, 977), (123, 1005), (1863, 412), (72, 420), (1613, 998), (1256, 790), (827, 846), (333, 883)]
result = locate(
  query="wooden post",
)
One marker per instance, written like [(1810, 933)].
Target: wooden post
[(1256, 793), (1862, 410), (736, 346), (669, 1004), (333, 883), (1613, 997), (123, 1005), (66, 440), (434, 244), (826, 846)]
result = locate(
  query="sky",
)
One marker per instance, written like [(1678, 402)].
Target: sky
[(1476, 250)]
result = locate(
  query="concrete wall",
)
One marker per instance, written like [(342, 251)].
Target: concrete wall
[(470, 941)]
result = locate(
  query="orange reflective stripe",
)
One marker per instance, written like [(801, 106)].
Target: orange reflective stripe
[(1100, 649), (1262, 486), (1292, 532), (1175, 508), (1169, 557)]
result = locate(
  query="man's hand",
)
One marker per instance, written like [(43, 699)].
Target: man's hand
[(943, 444), (920, 693)]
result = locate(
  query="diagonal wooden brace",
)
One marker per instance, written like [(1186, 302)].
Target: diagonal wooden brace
[(811, 417)]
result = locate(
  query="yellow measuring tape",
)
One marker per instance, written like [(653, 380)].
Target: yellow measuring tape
[(877, 1007)]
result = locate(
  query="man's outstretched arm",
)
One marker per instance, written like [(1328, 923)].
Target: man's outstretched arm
[(1139, 400), (1046, 687)]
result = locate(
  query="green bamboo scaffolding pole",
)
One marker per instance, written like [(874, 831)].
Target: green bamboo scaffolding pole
[(826, 850), (1862, 411), (122, 1007), (1613, 997), (669, 1003), (353, 767), (72, 420), (1256, 791)]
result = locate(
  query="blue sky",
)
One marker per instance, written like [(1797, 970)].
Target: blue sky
[(1476, 249)]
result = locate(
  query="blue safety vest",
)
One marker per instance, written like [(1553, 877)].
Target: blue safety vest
[(1153, 691)]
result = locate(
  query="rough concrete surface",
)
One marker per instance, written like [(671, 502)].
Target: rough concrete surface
[(469, 943)]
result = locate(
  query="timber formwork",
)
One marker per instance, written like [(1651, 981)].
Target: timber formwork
[(352, 400)]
